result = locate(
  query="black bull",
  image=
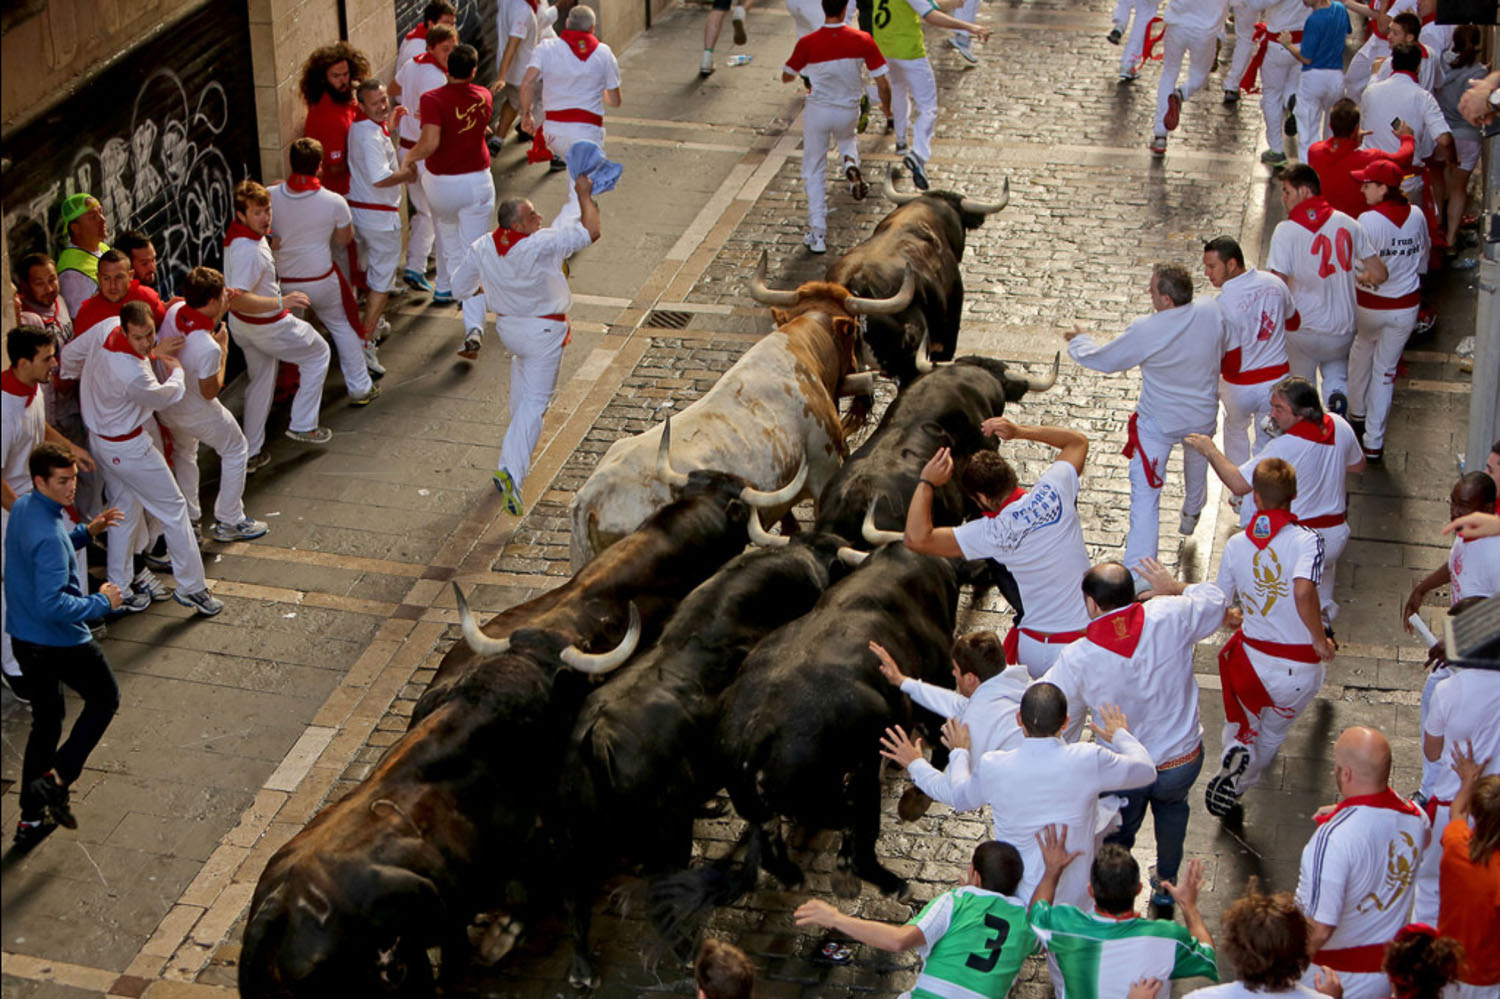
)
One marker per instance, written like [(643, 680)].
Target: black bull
[(925, 233), (352, 903)]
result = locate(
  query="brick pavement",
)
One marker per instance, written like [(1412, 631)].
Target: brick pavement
[(235, 731)]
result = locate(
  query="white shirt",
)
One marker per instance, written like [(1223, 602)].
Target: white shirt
[(527, 281), (22, 428), (200, 358), (1319, 267), (416, 78), (409, 49), (372, 157), (990, 714), (1046, 781), (808, 15), (1234, 990), (833, 59), (1474, 567), (305, 221), (1279, 16), (1256, 306), (1040, 540), (1196, 15), (1401, 97), (75, 354), (1320, 469), (1178, 351), (250, 266), (1403, 248), (1154, 684), (1349, 878), (1463, 709), (1264, 581), (568, 82), (516, 19), (1427, 70), (120, 392)]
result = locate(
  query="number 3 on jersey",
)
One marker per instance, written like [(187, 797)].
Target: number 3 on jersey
[(1342, 247), (986, 959)]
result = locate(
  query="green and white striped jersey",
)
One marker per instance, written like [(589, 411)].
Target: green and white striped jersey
[(976, 942), (1097, 957)]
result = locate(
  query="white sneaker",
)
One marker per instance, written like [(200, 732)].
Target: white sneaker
[(246, 530), (317, 435), (737, 21), (1188, 524), (202, 603), (965, 48), (706, 64), (372, 360), (815, 241), (382, 329), (146, 582)]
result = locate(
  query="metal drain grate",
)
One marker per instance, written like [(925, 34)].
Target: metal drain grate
[(668, 319)]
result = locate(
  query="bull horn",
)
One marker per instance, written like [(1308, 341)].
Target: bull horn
[(884, 306), (862, 383), (478, 640), (852, 556), (1043, 384), (923, 360), (664, 470), (875, 535), (760, 498), (889, 188), (984, 207), (765, 295), (596, 663), (761, 536)]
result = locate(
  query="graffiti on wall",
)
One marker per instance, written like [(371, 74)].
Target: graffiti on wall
[(477, 26)]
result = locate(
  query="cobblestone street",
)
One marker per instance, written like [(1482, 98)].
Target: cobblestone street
[(234, 732)]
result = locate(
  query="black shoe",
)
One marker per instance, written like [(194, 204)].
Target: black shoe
[(1114, 36), (1338, 403), (557, 165), (29, 835), (493, 143), (1358, 423), (55, 799), (1289, 126), (1161, 910), (1222, 794), (522, 134)]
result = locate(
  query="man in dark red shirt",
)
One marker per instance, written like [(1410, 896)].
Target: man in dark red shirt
[(460, 190), (1337, 158), (328, 79)]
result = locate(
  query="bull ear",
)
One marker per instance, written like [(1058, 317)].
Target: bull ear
[(844, 326), (778, 316), (314, 902)]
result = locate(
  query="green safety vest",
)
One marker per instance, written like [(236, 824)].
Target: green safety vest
[(75, 259), (898, 29)]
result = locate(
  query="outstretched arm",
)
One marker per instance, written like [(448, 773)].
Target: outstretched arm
[(886, 936), (1227, 471)]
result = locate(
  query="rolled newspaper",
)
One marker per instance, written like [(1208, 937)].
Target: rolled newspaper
[(1421, 628)]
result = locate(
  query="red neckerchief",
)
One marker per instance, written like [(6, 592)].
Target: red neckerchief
[(426, 59), (1118, 631), (1311, 213), (581, 43), (1318, 433), (1397, 211), (95, 311), (506, 239), (303, 182), (118, 342), (1266, 524), (190, 319), (420, 31), (239, 230), (10, 383), (1385, 798), (384, 127), (1015, 494)]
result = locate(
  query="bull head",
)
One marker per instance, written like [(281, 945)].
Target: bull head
[(875, 535), (593, 663), (758, 498), (889, 189), (1037, 384), (855, 305)]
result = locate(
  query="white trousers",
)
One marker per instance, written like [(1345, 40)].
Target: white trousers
[(1199, 48), (1142, 540), (1379, 337), (1425, 909), (1292, 687), (218, 430), (1317, 91), (423, 240), (295, 342), (463, 209), (912, 81), (1357, 76), (328, 304), (1335, 540), (139, 481), (538, 347), (1143, 11), (1279, 75), (1244, 408), (560, 137), (1244, 48), (819, 124), (1311, 352), (968, 11), (1432, 770), (381, 252), (1037, 657)]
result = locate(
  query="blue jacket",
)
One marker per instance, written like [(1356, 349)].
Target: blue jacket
[(43, 603)]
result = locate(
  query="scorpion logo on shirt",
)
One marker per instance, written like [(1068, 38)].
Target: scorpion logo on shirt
[(1268, 579), (1400, 871)]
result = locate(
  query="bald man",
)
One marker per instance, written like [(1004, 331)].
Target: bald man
[(1359, 869)]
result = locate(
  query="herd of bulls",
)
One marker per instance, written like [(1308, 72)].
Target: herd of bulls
[(582, 732)]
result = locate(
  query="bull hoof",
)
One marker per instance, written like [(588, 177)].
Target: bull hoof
[(913, 805), (583, 978), (845, 884), (497, 939)]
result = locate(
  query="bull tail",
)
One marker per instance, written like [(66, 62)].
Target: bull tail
[(860, 407), (680, 903)]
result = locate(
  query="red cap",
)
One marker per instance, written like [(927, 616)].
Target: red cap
[(1379, 172)]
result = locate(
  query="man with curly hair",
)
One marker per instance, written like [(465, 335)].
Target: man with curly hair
[(328, 79), (1265, 939)]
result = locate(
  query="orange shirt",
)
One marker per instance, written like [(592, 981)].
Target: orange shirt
[(1470, 909)]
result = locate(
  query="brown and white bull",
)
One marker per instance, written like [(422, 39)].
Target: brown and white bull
[(774, 410)]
